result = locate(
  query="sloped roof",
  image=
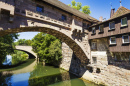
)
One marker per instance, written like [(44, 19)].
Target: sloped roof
[(70, 10), (121, 11)]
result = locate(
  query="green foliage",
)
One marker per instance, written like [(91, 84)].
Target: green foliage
[(73, 3), (18, 57), (23, 42), (86, 9), (78, 6), (6, 45), (47, 47)]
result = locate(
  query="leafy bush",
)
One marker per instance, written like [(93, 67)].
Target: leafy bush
[(48, 48)]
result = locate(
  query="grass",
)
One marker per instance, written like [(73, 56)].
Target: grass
[(26, 63)]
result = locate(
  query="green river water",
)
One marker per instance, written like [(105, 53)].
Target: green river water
[(36, 74)]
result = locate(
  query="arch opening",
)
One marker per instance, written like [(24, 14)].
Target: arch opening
[(63, 37), (31, 56)]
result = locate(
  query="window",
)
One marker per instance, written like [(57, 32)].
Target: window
[(88, 25), (101, 28), (63, 17), (124, 21), (94, 46), (93, 30), (111, 25), (115, 58), (94, 60), (112, 40), (125, 38), (40, 9), (84, 25)]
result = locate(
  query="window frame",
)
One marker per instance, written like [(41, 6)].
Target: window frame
[(111, 42), (115, 57), (40, 7), (95, 46), (94, 60), (123, 39), (109, 25), (100, 28), (126, 21), (64, 16), (94, 30)]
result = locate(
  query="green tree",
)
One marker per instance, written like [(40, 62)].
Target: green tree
[(18, 57), (55, 52), (47, 47), (23, 42), (78, 6), (28, 42), (6, 45)]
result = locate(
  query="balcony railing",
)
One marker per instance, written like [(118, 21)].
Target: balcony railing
[(43, 17)]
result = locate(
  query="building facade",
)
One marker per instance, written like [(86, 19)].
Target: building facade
[(112, 37), (104, 43)]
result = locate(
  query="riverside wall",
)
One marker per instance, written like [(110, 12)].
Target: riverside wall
[(100, 73)]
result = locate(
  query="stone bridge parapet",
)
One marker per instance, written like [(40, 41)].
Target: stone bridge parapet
[(26, 49)]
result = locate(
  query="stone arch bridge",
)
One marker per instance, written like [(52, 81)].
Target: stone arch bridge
[(17, 17), (28, 50)]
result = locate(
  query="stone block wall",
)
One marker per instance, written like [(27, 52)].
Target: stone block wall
[(100, 73), (70, 62), (110, 76), (67, 57)]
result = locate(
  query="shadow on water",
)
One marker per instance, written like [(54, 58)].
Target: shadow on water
[(50, 79), (44, 76)]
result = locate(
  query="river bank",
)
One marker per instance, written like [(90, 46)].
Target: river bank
[(19, 66)]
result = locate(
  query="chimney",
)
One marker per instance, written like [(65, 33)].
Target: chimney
[(112, 12), (100, 18)]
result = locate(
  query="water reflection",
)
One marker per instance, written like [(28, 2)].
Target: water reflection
[(50, 76), (41, 76), (44, 75), (5, 80)]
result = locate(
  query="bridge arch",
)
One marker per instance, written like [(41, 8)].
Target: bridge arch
[(62, 36), (28, 50)]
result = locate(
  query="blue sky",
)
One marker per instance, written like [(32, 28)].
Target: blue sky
[(98, 8)]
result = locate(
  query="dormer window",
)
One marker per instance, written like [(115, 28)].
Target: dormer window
[(93, 30), (40, 9), (112, 25), (101, 28), (112, 40), (125, 38), (124, 21)]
